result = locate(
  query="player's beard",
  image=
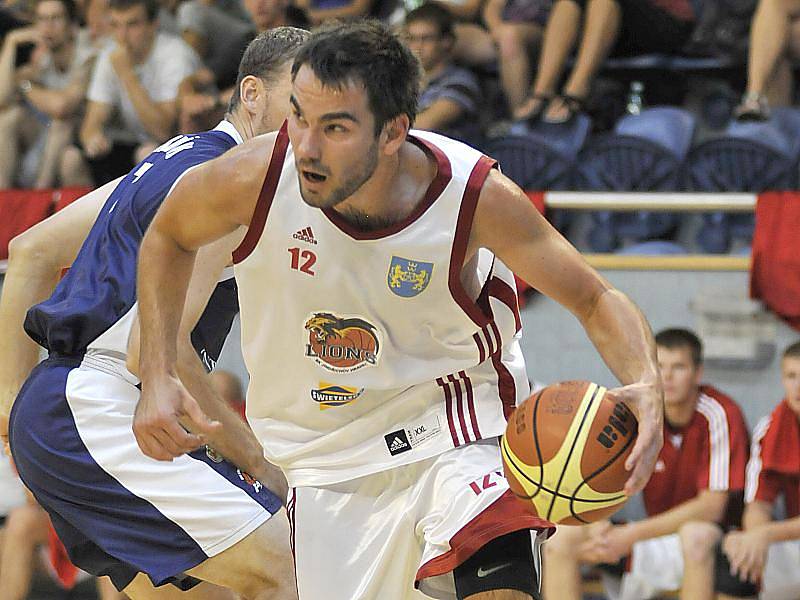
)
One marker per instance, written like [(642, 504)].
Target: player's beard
[(351, 181)]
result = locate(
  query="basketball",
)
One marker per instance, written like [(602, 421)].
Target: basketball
[(564, 451)]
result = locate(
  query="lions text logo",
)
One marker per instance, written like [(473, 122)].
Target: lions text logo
[(340, 344), (407, 278), (329, 395)]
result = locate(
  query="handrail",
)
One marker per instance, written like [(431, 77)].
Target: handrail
[(652, 201), (687, 262)]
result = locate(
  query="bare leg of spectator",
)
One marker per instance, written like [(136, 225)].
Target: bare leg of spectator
[(74, 170), (26, 529), (698, 541), (603, 18), (769, 41), (474, 46), (9, 157), (559, 39), (562, 567), (59, 134), (514, 41)]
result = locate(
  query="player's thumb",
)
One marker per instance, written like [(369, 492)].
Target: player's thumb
[(202, 424)]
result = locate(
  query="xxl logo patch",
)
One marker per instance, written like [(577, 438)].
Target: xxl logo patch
[(330, 395), (341, 344), (408, 278)]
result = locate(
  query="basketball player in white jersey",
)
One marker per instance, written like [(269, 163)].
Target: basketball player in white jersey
[(118, 512), (380, 329)]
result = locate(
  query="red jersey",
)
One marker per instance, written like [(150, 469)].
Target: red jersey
[(774, 466), (708, 453)]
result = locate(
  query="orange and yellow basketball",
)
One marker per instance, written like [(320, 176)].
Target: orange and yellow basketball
[(565, 449)]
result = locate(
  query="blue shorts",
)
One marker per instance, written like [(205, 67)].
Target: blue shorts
[(117, 511)]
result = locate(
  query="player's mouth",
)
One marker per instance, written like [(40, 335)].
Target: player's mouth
[(313, 177)]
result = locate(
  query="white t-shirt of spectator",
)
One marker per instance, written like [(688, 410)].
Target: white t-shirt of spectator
[(52, 78), (170, 61)]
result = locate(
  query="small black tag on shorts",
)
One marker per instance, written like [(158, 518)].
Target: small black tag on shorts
[(397, 442)]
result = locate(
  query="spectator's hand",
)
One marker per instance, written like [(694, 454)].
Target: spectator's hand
[(99, 145), (157, 422), (610, 544), (193, 105), (747, 553), (24, 35), (647, 403), (121, 59)]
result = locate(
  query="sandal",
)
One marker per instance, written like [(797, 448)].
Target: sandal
[(573, 105), (753, 107), (534, 114)]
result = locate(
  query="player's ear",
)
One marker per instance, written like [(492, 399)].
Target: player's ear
[(250, 90), (394, 133)]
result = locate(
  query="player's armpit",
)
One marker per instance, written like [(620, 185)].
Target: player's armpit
[(217, 197)]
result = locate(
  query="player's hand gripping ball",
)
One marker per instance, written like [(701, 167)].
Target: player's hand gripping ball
[(564, 451)]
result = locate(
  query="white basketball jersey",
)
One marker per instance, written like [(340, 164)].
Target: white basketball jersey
[(370, 350)]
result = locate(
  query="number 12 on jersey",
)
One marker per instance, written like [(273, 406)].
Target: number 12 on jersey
[(303, 260)]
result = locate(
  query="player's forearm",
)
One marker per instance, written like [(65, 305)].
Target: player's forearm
[(30, 279), (158, 122), (623, 338), (165, 269), (708, 506)]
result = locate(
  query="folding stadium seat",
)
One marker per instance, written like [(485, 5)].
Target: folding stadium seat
[(646, 153), (19, 210), (746, 157)]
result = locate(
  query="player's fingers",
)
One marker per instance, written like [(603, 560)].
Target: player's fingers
[(150, 446), (202, 423), (181, 441), (641, 461)]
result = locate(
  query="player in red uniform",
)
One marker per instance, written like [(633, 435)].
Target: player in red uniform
[(767, 550), (698, 473)]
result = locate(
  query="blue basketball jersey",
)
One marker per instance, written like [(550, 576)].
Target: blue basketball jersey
[(99, 290)]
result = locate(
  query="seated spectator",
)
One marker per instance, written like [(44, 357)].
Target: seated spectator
[(319, 11), (450, 95), (774, 43), (136, 81), (204, 96), (474, 46), (41, 99), (516, 26), (638, 26), (699, 475), (766, 550)]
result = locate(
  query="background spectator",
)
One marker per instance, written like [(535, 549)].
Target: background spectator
[(516, 26), (774, 42), (319, 11), (635, 25), (474, 46), (451, 95), (228, 386), (136, 81), (41, 99)]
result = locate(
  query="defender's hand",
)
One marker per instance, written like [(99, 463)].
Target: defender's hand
[(159, 414), (647, 403)]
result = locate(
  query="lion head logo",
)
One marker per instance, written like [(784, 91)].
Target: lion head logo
[(341, 344)]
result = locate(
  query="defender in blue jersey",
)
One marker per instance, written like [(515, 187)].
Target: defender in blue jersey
[(118, 512)]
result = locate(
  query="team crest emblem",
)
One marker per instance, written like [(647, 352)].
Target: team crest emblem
[(330, 395), (341, 344), (407, 278)]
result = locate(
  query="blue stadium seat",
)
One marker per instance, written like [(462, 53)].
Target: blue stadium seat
[(654, 248), (644, 153), (746, 157)]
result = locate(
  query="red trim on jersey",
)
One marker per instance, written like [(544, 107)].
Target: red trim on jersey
[(502, 291), (448, 406), (505, 381), (471, 404), (463, 228), (481, 349), (504, 515), (460, 409), (444, 173), (265, 197)]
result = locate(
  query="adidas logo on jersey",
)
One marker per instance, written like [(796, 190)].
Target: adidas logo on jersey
[(397, 442), (305, 235)]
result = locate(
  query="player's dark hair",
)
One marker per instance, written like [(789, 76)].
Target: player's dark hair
[(69, 6), (267, 55), (675, 338), (433, 12), (151, 6), (792, 351), (366, 52)]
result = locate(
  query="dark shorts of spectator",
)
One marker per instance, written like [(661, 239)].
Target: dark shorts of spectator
[(119, 161), (527, 11), (648, 29)]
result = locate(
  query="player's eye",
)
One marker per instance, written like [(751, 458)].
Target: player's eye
[(336, 128)]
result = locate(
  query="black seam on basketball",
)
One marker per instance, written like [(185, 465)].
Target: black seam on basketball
[(518, 471), (536, 442), (602, 468), (571, 450)]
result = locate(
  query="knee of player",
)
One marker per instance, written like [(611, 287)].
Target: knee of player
[(24, 522), (563, 545), (698, 540)]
